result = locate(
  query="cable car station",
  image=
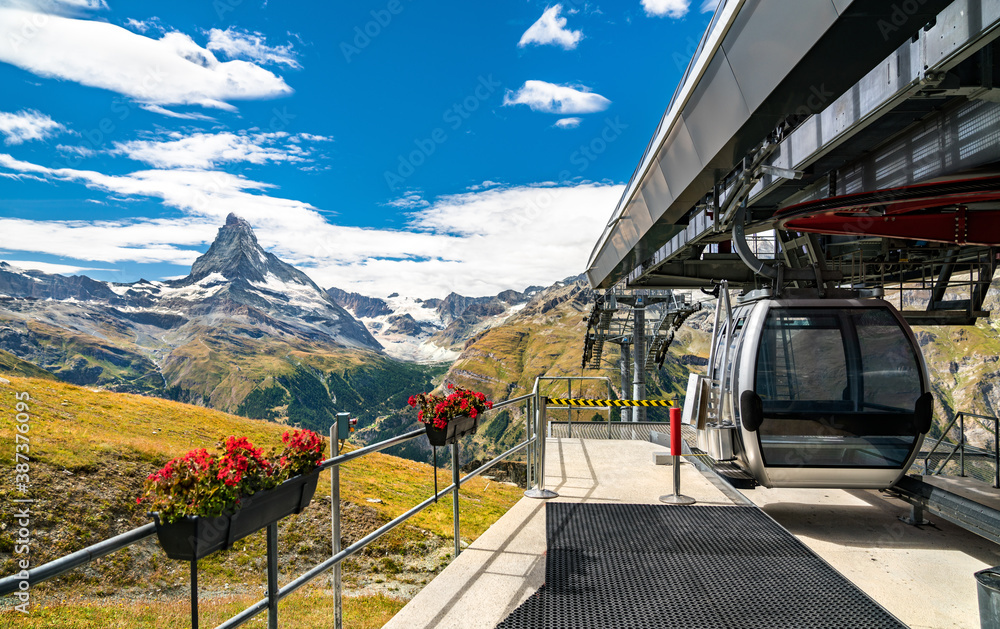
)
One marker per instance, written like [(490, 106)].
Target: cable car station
[(825, 178), (828, 174)]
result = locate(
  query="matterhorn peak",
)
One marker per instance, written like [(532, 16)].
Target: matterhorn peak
[(233, 221), (235, 254)]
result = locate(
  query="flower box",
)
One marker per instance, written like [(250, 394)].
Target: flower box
[(451, 417), (194, 537), (456, 428)]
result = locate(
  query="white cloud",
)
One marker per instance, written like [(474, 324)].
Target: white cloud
[(311, 137), (208, 195), (410, 201), (59, 7), (709, 6), (473, 243), (240, 44), (140, 241), (144, 26), (27, 124), (210, 150), (50, 267), (551, 29), (80, 151), (88, 5), (163, 111), (171, 70), (482, 186), (666, 8), (557, 99), (568, 123)]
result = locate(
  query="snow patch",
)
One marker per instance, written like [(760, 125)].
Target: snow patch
[(298, 294), (411, 350)]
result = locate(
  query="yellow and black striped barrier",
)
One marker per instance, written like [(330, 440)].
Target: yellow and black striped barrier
[(556, 401)]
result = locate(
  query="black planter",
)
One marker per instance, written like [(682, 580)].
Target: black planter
[(195, 537), (456, 428)]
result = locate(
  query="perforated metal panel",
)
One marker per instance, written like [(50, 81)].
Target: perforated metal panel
[(614, 565)]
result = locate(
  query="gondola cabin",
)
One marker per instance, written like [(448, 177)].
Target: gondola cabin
[(813, 392)]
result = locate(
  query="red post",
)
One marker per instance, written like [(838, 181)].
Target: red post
[(675, 430), (675, 454)]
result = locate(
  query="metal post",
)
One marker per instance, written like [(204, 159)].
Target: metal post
[(626, 414), (569, 411), (916, 517), (338, 601), (996, 452), (540, 492), (529, 474), (639, 360), (194, 594), (272, 575), (675, 447), (454, 508), (961, 419), (609, 409)]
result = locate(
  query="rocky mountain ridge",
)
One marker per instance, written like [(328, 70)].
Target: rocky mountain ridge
[(241, 318), (434, 330)]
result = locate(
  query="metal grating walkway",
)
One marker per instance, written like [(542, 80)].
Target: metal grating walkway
[(659, 566)]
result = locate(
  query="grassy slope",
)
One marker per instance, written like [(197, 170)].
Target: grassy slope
[(964, 372), (14, 366), (90, 451), (546, 339)]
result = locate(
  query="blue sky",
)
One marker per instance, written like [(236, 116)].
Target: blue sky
[(389, 146)]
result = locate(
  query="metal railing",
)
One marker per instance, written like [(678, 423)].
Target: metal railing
[(607, 429), (569, 394), (982, 463), (535, 455)]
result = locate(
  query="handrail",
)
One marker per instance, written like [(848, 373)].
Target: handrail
[(513, 400), (962, 447), (944, 433), (320, 568), (375, 447), (10, 584), (79, 558)]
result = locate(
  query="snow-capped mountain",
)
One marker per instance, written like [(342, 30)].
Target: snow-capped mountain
[(431, 330), (206, 336)]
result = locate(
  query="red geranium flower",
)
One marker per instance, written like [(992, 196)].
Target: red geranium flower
[(437, 411)]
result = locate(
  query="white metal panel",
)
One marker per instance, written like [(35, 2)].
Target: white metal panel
[(657, 194), (763, 47), (955, 25), (660, 142), (627, 224), (639, 209), (619, 246), (715, 109), (681, 162)]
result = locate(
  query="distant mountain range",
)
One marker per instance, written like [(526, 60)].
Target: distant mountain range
[(242, 320), (432, 330), (243, 332), (247, 333)]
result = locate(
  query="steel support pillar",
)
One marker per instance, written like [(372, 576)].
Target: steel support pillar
[(338, 594), (454, 497), (272, 575), (626, 412), (639, 360)]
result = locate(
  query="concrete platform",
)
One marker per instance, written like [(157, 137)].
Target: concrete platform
[(970, 488), (921, 575)]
